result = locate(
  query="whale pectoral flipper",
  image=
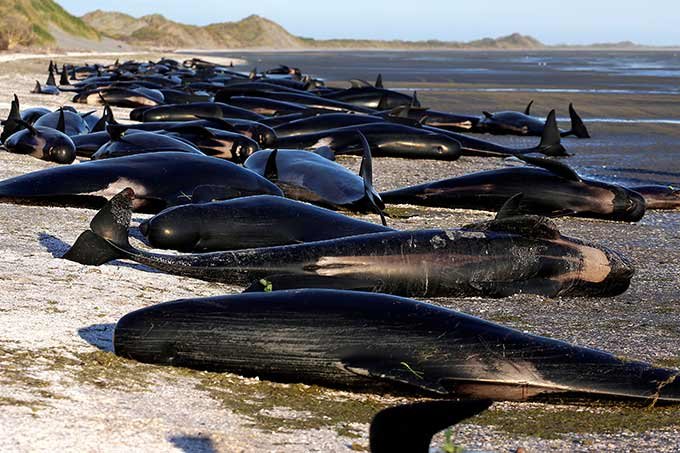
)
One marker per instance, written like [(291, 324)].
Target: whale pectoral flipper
[(400, 372), (410, 427), (296, 281)]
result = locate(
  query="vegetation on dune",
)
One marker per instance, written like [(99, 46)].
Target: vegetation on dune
[(258, 32), (27, 23)]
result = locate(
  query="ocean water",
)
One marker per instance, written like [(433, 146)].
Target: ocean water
[(641, 148), (645, 71)]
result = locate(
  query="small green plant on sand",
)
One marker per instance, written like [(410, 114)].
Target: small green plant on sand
[(448, 446)]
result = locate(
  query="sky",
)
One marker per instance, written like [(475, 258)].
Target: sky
[(652, 22)]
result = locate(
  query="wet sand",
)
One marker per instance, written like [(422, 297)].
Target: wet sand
[(61, 387)]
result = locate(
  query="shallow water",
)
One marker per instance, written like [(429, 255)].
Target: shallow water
[(623, 70), (627, 99)]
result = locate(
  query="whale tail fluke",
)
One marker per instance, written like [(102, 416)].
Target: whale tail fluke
[(577, 127), (550, 144), (108, 233), (410, 427)]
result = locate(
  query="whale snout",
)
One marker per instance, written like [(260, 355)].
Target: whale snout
[(620, 274)]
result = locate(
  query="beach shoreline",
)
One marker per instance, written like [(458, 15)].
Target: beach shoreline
[(62, 388)]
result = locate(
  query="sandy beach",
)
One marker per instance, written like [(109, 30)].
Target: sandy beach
[(62, 388)]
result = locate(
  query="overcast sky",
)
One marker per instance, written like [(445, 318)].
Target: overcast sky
[(552, 22)]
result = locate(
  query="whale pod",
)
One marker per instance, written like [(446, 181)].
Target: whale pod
[(498, 258), (377, 342)]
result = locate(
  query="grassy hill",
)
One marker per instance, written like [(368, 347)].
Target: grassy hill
[(258, 32), (157, 31), (28, 23)]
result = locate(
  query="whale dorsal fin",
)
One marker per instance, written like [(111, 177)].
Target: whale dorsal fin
[(379, 82), (270, 170), (415, 102), (107, 117), (553, 166), (527, 110), (14, 112), (532, 226), (50, 80), (61, 124), (359, 83), (201, 131), (37, 88), (366, 173), (326, 152), (224, 124), (63, 80), (577, 126), (487, 114), (550, 144), (27, 125), (382, 104), (511, 208), (116, 131)]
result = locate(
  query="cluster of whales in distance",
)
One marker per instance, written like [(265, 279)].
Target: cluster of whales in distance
[(240, 172)]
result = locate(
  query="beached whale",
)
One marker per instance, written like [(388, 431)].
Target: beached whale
[(385, 140), (492, 259), (659, 196), (363, 94), (161, 180), (193, 111), (379, 343), (248, 222), (518, 123), (317, 124), (50, 87), (549, 188), (312, 177), (122, 144), (44, 143)]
